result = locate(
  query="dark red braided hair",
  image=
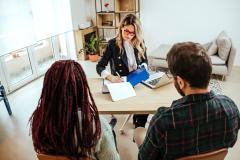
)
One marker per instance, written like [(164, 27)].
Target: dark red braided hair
[(56, 126)]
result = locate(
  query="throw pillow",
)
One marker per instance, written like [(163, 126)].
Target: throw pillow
[(206, 46), (224, 45), (213, 48)]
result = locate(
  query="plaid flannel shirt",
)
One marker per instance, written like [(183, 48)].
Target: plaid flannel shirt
[(193, 124)]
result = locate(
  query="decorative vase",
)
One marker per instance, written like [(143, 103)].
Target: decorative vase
[(106, 5)]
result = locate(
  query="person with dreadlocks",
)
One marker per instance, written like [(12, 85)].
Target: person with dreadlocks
[(66, 121)]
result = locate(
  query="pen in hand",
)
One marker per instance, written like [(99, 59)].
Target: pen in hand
[(119, 78), (118, 74)]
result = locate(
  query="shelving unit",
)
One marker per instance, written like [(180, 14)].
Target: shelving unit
[(109, 18), (106, 20), (126, 6), (81, 36)]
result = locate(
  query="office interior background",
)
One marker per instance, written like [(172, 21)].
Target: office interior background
[(29, 24)]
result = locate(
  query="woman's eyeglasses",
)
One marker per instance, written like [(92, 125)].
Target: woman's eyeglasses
[(129, 32)]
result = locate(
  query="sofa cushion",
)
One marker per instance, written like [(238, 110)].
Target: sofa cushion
[(224, 45), (216, 60), (220, 69), (206, 45), (156, 62), (213, 48), (161, 52)]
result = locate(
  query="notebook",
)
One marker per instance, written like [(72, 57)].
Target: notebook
[(118, 91), (106, 82), (157, 79)]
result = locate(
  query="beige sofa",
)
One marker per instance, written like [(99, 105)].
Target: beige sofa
[(157, 58), (220, 67)]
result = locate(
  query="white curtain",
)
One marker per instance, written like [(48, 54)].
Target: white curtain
[(23, 22), (51, 17), (16, 25)]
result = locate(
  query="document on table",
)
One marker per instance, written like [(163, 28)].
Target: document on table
[(106, 82), (104, 87), (118, 91), (121, 91)]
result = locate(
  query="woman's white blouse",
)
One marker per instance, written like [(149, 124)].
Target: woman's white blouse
[(132, 64)]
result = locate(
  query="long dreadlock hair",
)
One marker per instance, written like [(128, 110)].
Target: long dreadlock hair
[(56, 125)]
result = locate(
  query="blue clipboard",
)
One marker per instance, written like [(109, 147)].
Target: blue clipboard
[(137, 76)]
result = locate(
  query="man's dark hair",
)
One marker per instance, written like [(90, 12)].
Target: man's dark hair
[(190, 61)]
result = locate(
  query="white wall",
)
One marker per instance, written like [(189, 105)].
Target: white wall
[(170, 21), (81, 11)]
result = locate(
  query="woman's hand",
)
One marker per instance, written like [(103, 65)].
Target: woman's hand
[(114, 79)]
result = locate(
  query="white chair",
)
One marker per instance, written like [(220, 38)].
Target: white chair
[(3, 97)]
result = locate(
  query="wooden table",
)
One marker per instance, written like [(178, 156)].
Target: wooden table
[(147, 100)]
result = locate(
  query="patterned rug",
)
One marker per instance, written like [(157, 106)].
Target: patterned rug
[(215, 86)]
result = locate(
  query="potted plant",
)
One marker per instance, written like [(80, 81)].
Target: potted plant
[(92, 48)]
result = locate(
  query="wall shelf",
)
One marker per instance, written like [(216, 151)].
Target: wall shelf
[(126, 5), (106, 21), (80, 39)]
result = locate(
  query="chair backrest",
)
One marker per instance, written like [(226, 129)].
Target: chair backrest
[(215, 155), (41, 156), (3, 97)]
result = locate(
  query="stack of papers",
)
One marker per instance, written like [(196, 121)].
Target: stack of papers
[(121, 91), (104, 87), (118, 91), (107, 82), (125, 89)]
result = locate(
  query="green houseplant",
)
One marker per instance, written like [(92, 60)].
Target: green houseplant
[(92, 48)]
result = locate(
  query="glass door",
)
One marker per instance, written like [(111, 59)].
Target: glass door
[(22, 66), (17, 68), (61, 47), (43, 55)]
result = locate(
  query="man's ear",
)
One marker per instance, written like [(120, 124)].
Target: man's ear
[(181, 82)]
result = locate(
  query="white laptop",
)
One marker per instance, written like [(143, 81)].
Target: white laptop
[(157, 79)]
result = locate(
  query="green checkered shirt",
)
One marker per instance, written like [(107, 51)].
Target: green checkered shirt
[(193, 124)]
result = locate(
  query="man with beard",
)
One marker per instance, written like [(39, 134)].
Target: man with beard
[(199, 122)]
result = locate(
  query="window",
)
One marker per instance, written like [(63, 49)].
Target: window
[(43, 54), (18, 66)]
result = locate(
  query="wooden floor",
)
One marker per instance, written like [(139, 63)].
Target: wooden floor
[(16, 143)]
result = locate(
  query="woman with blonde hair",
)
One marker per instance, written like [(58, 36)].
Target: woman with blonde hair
[(125, 53)]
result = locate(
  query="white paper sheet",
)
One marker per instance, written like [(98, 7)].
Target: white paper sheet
[(106, 82), (121, 91)]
